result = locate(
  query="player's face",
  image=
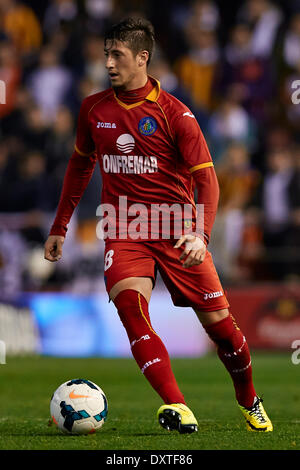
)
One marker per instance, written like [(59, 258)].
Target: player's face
[(124, 69)]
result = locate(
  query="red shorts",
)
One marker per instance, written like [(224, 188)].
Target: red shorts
[(198, 287)]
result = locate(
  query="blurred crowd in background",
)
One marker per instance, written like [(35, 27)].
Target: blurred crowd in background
[(235, 64)]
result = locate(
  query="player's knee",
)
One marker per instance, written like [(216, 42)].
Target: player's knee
[(209, 318), (133, 311), (129, 299), (143, 285), (226, 334)]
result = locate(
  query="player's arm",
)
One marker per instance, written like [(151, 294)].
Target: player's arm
[(78, 174), (197, 158)]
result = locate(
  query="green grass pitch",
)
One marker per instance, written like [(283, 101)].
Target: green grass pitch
[(27, 384)]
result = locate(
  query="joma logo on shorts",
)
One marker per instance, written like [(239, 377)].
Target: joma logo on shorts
[(213, 295)]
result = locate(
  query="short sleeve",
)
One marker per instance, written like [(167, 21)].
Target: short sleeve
[(84, 143)]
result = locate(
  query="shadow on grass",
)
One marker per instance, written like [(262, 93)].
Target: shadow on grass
[(205, 427)]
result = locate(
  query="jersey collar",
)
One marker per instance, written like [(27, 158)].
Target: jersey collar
[(152, 96), (155, 92)]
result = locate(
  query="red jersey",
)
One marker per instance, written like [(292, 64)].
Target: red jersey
[(148, 152)]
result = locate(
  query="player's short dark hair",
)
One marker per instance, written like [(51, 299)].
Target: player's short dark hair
[(138, 33)]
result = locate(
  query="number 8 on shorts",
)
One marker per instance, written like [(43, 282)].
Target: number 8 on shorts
[(108, 260)]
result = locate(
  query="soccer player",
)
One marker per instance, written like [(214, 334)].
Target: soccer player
[(151, 152)]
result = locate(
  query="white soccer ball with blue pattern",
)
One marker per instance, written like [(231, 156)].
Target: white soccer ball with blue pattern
[(79, 406)]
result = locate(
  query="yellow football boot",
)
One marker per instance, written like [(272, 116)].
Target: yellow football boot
[(256, 417), (177, 417)]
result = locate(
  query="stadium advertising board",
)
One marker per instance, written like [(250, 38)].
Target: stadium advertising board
[(70, 325), (269, 315)]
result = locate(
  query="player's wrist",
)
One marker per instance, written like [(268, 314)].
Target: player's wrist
[(58, 230), (202, 236)]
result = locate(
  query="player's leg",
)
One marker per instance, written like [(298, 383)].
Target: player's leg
[(131, 295), (234, 352), (200, 288), (131, 298)]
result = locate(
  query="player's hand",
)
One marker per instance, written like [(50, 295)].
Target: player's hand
[(53, 248), (194, 250)]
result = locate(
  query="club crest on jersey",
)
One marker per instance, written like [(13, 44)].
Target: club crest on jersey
[(187, 223), (147, 125)]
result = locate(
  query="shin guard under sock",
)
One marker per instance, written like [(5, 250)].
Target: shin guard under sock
[(234, 353), (146, 346)]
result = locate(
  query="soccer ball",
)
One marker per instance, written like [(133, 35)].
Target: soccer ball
[(79, 407)]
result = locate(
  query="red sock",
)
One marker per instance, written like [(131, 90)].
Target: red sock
[(146, 346), (234, 353)]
